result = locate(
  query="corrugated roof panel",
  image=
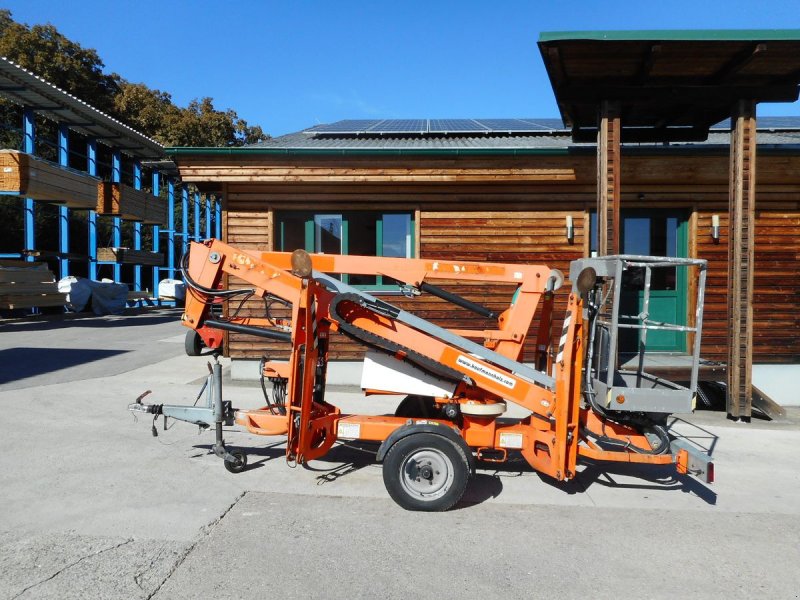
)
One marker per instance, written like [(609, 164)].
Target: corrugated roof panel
[(28, 89)]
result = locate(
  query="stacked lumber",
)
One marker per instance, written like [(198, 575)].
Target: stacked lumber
[(155, 211), (25, 175), (28, 285), (121, 200), (130, 257)]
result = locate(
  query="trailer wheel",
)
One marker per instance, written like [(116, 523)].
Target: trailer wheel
[(239, 462), (193, 343), (425, 471)]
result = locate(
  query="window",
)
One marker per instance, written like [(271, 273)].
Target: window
[(362, 233)]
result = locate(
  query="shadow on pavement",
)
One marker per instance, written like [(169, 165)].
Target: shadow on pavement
[(488, 482), (128, 319), (22, 363)]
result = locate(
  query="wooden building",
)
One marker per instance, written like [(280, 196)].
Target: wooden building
[(505, 191)]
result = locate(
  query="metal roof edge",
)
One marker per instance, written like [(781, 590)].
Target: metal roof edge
[(686, 35), (76, 105), (708, 149), (239, 151)]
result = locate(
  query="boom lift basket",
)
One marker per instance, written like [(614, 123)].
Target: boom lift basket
[(618, 375)]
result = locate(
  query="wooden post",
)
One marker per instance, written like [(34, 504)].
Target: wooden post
[(741, 245), (608, 174)]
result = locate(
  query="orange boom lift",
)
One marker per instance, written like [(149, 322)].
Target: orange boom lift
[(458, 381)]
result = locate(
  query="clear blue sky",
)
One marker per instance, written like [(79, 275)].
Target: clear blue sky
[(289, 65)]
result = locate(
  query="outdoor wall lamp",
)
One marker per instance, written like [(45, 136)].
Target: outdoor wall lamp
[(715, 227), (570, 229)]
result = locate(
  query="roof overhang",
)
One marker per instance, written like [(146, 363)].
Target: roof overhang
[(670, 85), (31, 91)]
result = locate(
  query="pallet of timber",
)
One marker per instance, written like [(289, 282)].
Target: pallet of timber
[(121, 200), (155, 211), (27, 285), (26, 176), (130, 257)]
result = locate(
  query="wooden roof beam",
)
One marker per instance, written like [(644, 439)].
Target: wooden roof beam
[(647, 63), (670, 95), (738, 62)]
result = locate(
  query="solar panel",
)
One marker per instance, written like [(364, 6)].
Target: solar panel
[(511, 125), (346, 126), (400, 126), (441, 126), (556, 124), (456, 126)]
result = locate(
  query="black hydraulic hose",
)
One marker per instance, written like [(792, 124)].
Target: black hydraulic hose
[(458, 300), (184, 267), (282, 336)]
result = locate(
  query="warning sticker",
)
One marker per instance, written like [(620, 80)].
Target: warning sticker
[(350, 431), (480, 369)]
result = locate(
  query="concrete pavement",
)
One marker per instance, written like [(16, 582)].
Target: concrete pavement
[(95, 507)]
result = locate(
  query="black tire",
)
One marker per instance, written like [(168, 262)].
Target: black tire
[(193, 343), (417, 407), (239, 462), (426, 472)]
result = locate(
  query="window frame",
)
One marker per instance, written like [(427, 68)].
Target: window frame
[(310, 218)]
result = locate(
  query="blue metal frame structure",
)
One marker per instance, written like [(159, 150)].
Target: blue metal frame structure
[(185, 216), (191, 230), (171, 228), (29, 146), (63, 211), (208, 217), (137, 228), (196, 231), (156, 234), (116, 177), (40, 99), (91, 168)]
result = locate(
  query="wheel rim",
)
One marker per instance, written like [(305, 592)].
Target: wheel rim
[(426, 474)]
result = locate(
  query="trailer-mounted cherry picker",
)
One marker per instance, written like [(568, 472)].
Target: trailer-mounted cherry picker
[(580, 401)]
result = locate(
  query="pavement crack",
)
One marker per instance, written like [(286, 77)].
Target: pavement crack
[(70, 565), (205, 531)]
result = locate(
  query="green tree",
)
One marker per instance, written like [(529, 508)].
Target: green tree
[(44, 51)]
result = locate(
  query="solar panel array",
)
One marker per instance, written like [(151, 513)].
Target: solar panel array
[(436, 126)]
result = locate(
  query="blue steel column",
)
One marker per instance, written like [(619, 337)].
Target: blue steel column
[(116, 176), (218, 218), (185, 215), (137, 227), (208, 216), (156, 232), (91, 168), (28, 146), (171, 228), (63, 211), (196, 230)]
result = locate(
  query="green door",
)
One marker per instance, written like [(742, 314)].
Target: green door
[(655, 233)]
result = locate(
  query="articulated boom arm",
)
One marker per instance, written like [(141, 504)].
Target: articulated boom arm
[(484, 366)]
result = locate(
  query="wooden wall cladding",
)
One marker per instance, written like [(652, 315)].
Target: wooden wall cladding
[(121, 200), (776, 321), (522, 236), (524, 221), (29, 177)]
